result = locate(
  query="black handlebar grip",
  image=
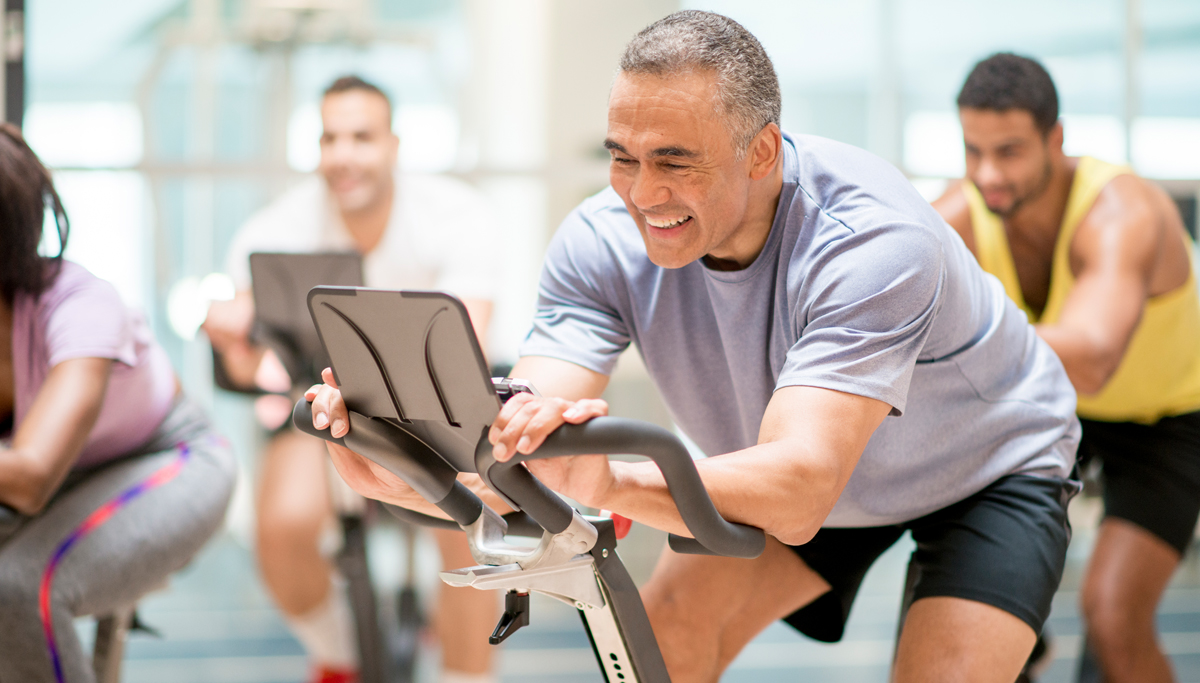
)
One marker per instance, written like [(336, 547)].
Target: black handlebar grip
[(302, 419), (618, 435), (519, 523), (521, 489), (403, 455)]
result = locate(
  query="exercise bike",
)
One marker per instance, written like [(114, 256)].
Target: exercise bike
[(420, 402), (387, 643)]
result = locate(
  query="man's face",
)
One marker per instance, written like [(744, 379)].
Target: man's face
[(358, 148), (674, 165), (1008, 158)]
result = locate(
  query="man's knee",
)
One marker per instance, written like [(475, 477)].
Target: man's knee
[(665, 605), (1113, 622), (285, 523)]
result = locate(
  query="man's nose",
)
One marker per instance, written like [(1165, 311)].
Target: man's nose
[(337, 151), (988, 172), (648, 190)]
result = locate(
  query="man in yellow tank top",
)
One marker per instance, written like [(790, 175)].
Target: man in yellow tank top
[(1100, 262)]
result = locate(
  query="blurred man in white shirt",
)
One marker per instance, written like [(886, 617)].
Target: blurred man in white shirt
[(414, 232)]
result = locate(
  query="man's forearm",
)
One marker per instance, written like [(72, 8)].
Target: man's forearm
[(240, 363), (776, 487), (1088, 366), (411, 500)]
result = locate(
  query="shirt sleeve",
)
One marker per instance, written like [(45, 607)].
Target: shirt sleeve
[(577, 319), (866, 309), (471, 253), (87, 319)]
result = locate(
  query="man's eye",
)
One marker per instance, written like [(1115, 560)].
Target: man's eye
[(622, 160), (673, 167)]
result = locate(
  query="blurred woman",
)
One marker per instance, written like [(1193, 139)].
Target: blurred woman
[(110, 478)]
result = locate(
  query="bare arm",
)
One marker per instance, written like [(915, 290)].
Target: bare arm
[(809, 443), (50, 438), (228, 326), (1113, 254), (953, 207)]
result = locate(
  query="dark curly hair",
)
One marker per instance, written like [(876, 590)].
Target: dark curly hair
[(26, 191), (1006, 81)]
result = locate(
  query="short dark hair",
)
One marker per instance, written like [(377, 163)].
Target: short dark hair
[(26, 191), (351, 82), (1007, 81)]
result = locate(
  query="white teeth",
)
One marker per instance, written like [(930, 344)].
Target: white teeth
[(666, 223)]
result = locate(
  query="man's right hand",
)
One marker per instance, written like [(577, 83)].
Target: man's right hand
[(361, 474), (228, 327), (228, 323)]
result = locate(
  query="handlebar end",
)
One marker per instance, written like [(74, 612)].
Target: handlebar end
[(302, 419)]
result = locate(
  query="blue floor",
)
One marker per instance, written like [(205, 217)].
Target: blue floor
[(219, 626)]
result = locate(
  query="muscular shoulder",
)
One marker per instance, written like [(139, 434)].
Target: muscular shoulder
[(1125, 203), (1124, 217), (1133, 222), (955, 210)]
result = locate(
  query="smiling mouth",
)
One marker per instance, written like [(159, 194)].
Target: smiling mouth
[(667, 223)]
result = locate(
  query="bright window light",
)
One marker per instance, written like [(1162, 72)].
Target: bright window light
[(304, 138), (85, 134), (428, 137), (1167, 148), (933, 145), (930, 188), (1102, 137), (108, 228)]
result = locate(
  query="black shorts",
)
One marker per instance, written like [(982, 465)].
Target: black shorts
[(1150, 473), (1004, 546)]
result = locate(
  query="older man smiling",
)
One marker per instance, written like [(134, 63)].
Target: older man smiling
[(816, 327)]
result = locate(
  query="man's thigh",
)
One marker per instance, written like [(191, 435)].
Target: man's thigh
[(705, 609), (293, 485), (953, 639), (982, 578), (1151, 473)]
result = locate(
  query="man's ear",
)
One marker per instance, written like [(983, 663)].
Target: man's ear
[(763, 153), (1054, 137)]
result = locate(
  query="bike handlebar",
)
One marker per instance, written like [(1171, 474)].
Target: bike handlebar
[(403, 455), (428, 474), (712, 532)]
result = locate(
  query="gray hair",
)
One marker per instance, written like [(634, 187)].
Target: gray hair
[(692, 40)]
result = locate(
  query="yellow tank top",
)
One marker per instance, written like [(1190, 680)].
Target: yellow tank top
[(1160, 373)]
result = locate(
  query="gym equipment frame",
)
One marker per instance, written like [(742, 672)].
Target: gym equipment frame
[(420, 404), (281, 322)]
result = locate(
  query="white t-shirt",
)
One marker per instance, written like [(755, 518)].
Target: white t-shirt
[(441, 235)]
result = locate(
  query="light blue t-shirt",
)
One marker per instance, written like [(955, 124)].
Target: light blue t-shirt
[(861, 288)]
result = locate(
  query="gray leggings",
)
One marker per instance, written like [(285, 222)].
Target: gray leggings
[(116, 562)]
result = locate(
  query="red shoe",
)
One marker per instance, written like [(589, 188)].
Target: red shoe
[(324, 674)]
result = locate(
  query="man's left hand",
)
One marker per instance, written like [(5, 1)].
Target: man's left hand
[(523, 425)]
